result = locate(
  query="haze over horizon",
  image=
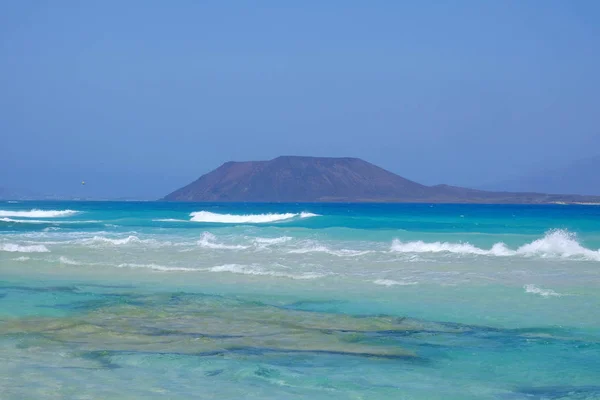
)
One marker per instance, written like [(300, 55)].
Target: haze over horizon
[(141, 98)]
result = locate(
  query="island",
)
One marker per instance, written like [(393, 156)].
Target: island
[(295, 179)]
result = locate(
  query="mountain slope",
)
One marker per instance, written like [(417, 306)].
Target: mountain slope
[(320, 179)]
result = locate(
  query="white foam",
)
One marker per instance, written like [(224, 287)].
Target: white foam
[(67, 261), (40, 221), (22, 258), (256, 270), (317, 248), (208, 240), (10, 220), (271, 241), (229, 268), (157, 267), (390, 282), (37, 213), (542, 292), (304, 214), (170, 220), (445, 247), (556, 243), (103, 241), (117, 242), (16, 248), (559, 243), (207, 216)]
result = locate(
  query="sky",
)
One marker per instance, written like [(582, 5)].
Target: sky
[(138, 98)]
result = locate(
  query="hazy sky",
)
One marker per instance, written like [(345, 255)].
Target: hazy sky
[(141, 97)]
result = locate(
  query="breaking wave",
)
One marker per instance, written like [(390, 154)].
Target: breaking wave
[(157, 267), (308, 215), (67, 261), (208, 240), (129, 240), (269, 241), (45, 221), (316, 248), (556, 243), (256, 270), (542, 292), (229, 268), (16, 248), (102, 239), (37, 213), (207, 216), (390, 282)]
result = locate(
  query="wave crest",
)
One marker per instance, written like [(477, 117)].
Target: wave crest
[(390, 282), (157, 267), (45, 221), (555, 243), (35, 213), (256, 270), (17, 248), (207, 216), (127, 240), (208, 240), (229, 268), (261, 241), (317, 248), (67, 261), (542, 292)]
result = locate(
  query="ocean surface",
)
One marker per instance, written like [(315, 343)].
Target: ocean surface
[(128, 300)]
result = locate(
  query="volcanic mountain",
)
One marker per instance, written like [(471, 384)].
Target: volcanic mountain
[(325, 179)]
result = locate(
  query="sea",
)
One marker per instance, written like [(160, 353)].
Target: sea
[(156, 300)]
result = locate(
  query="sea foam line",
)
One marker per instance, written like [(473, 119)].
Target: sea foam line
[(117, 241), (390, 282), (555, 243), (67, 261), (207, 216), (157, 267), (46, 221), (35, 213), (208, 240), (16, 248), (257, 270), (317, 248), (542, 292), (100, 241), (271, 241), (229, 268)]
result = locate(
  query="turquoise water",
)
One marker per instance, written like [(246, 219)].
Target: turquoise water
[(277, 301)]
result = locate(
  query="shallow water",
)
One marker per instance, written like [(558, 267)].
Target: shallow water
[(155, 300)]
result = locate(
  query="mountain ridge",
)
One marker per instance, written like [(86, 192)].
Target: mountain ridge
[(343, 179)]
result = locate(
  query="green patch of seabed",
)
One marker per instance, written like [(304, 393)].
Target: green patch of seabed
[(108, 330), (192, 324)]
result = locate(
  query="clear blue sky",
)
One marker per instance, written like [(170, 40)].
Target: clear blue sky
[(141, 97)]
